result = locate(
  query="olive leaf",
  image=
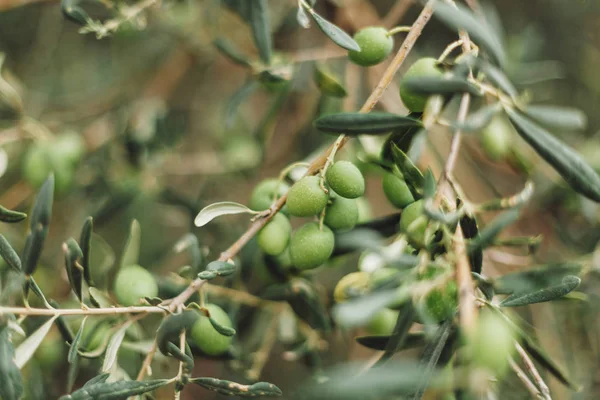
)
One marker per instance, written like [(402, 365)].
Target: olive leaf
[(115, 390), (568, 284), (85, 243), (440, 85), (11, 382), (358, 311), (380, 342), (459, 17), (258, 18), (131, 252), (402, 137), (486, 287), (357, 239), (26, 349), (479, 119), (429, 184), (63, 328), (470, 229), (97, 379), (229, 388), (74, 13), (215, 210), (334, 33), (411, 174), (327, 83), (223, 330), (302, 17), (354, 123), (9, 255), (113, 346), (535, 278), (11, 216), (99, 298), (399, 333), (38, 225), (233, 53), (570, 165), (563, 118), (493, 229), (73, 256), (74, 349), (172, 326)]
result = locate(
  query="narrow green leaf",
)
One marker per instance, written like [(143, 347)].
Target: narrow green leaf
[(233, 53), (11, 382), (334, 33), (399, 334), (99, 298), (31, 283), (535, 278), (73, 256), (172, 326), (570, 165), (30, 345), (484, 285), (357, 240), (402, 137), (569, 284), (40, 219), (479, 119), (442, 85), (327, 83), (85, 243), (10, 216), (459, 17), (470, 229), (61, 324), (73, 12), (353, 123), (380, 342), (215, 210), (115, 390), (493, 229), (429, 184), (412, 175), (223, 330), (9, 255), (302, 18), (131, 252), (74, 349), (222, 268), (261, 28), (563, 118), (496, 76), (97, 379), (113, 347), (229, 388), (358, 311)]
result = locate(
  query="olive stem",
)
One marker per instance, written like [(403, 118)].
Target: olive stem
[(449, 49), (398, 29), (533, 390), (146, 369), (534, 372), (81, 311)]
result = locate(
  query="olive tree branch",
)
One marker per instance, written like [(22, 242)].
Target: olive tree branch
[(533, 390), (81, 311), (534, 372)]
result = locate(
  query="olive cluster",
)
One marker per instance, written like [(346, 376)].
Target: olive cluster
[(60, 155), (312, 243)]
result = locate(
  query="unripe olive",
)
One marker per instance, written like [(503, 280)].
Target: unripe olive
[(439, 303), (383, 322), (264, 193), (341, 214), (206, 337), (40, 161), (375, 46), (396, 190), (275, 236), (68, 146), (496, 139), (422, 68), (355, 283), (306, 198), (413, 223), (492, 343), (311, 246), (346, 179), (133, 283)]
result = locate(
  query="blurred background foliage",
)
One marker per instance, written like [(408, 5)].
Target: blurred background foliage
[(165, 135)]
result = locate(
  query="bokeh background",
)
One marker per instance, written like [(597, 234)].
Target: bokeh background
[(165, 135)]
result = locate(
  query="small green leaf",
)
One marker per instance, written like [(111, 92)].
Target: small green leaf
[(73, 256), (74, 349), (496, 76), (258, 18), (30, 345), (9, 255), (493, 229), (233, 53), (380, 342), (113, 347), (302, 18), (568, 284), (484, 285), (73, 12), (99, 298), (399, 334), (334, 33), (10, 216), (97, 379), (535, 278), (327, 83), (442, 85), (223, 330), (61, 324), (115, 390), (459, 17), (85, 243), (402, 137), (229, 388), (42, 208), (354, 123), (11, 382), (215, 210), (411, 174), (131, 252), (563, 118), (222, 268), (470, 229), (570, 165), (172, 326), (40, 219)]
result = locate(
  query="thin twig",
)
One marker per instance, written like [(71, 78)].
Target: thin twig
[(262, 354), (145, 369), (533, 390), (81, 311), (534, 372)]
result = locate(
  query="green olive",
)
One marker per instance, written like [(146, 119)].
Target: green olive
[(422, 68), (353, 284), (264, 194), (275, 236), (375, 46), (40, 161), (68, 146), (206, 337), (413, 223), (306, 198), (311, 246), (346, 179), (496, 139), (341, 214), (439, 303), (383, 322), (94, 334), (133, 283), (396, 190), (492, 343)]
